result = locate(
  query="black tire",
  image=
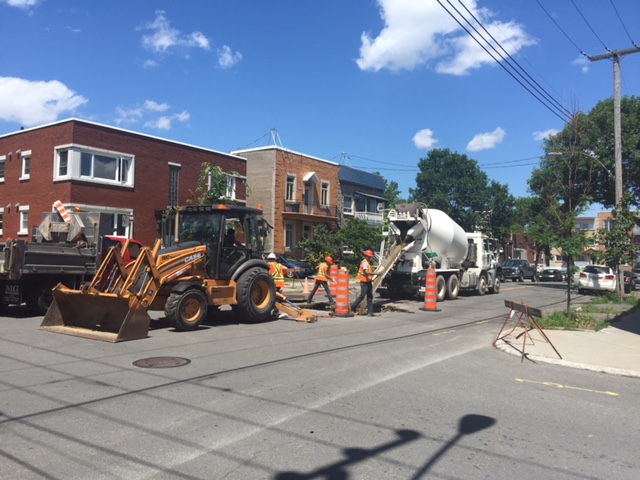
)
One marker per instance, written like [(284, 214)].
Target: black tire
[(534, 278), (496, 286), (453, 287), (482, 285), (186, 311), (40, 298), (256, 295), (441, 288), (514, 279), (290, 273), (521, 278)]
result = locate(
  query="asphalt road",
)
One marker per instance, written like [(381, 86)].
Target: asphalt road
[(406, 395)]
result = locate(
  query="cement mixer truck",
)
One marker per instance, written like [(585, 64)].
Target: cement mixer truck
[(419, 238)]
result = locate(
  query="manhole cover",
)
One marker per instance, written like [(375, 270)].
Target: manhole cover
[(161, 362)]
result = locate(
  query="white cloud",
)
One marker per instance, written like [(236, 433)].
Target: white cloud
[(424, 139), (32, 103), (228, 58), (541, 135), (23, 4), (486, 141), (164, 122), (418, 32), (583, 63), (164, 37), (155, 106)]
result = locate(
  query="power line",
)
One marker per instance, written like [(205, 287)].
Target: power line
[(560, 28), (590, 27), (623, 25), (555, 112)]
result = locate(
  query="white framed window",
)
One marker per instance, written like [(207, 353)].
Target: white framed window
[(2, 165), (23, 210), (25, 173), (348, 205), (77, 162), (290, 193), (1, 219), (231, 188), (324, 196)]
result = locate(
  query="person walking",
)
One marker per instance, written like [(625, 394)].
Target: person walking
[(365, 276), (323, 278), (277, 271)]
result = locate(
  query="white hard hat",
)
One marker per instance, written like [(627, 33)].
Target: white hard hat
[(271, 256)]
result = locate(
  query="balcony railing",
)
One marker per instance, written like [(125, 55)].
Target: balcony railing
[(310, 209), (369, 217)]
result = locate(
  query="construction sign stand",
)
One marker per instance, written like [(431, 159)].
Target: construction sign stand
[(526, 316)]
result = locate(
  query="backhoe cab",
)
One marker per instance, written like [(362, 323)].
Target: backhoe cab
[(203, 266)]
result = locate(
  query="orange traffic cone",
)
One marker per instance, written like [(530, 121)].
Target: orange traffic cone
[(306, 290), (430, 292), (342, 295), (333, 272)]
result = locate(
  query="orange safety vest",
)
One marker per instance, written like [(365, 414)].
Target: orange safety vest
[(362, 277), (276, 271), (322, 272)]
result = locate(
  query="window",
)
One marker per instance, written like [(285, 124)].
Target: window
[(231, 188), (2, 163), (24, 220), (290, 194), (174, 177), (26, 165), (93, 165), (1, 219), (325, 194), (348, 205), (288, 236)]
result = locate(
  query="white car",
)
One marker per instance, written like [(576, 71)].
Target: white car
[(597, 278)]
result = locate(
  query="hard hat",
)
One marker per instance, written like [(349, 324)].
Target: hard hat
[(368, 253), (271, 256), (329, 260)]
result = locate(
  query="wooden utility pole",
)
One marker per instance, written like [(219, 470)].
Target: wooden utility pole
[(617, 129)]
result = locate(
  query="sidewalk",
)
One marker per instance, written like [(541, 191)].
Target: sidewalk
[(614, 350)]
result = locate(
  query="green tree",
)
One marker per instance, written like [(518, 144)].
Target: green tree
[(454, 183), (323, 242), (392, 193), (212, 187), (600, 144)]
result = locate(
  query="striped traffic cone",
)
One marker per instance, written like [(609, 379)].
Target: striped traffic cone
[(342, 295), (333, 272), (430, 292), (306, 290), (62, 211)]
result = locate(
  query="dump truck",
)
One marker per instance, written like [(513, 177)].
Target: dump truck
[(59, 251), (194, 269), (420, 238)]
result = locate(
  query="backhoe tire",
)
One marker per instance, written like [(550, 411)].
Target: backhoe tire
[(256, 295), (453, 287), (186, 311)]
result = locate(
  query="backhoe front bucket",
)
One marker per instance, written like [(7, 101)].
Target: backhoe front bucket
[(102, 316)]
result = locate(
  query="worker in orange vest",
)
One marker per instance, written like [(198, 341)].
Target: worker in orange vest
[(277, 271), (323, 278), (365, 276)]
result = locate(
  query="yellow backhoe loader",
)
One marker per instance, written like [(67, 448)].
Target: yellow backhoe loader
[(215, 258)]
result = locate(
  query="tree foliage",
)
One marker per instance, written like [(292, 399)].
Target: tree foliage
[(212, 187), (454, 183)]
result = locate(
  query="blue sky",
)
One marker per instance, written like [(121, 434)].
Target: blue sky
[(374, 84)]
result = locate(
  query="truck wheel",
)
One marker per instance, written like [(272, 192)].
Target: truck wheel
[(256, 295), (482, 285), (496, 286), (534, 278), (521, 278), (453, 287), (40, 298), (186, 311), (441, 288)]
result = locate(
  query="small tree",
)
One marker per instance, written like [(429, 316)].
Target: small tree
[(213, 186)]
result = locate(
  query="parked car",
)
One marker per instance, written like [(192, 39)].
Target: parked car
[(597, 278), (552, 275), (296, 268), (518, 270), (629, 282)]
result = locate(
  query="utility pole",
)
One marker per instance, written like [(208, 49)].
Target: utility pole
[(617, 129)]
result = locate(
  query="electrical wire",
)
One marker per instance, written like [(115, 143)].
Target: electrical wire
[(590, 27), (552, 110), (563, 32), (546, 94), (623, 25)]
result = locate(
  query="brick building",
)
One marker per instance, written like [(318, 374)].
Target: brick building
[(101, 168), (297, 192)]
